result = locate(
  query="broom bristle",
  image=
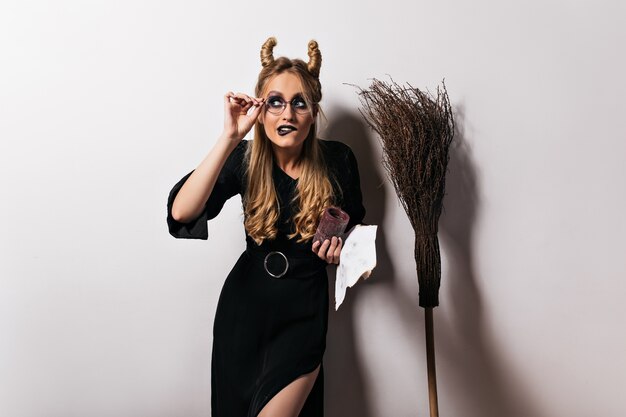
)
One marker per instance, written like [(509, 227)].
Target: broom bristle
[(415, 130)]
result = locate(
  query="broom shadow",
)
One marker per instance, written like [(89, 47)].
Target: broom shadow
[(486, 385), (475, 374)]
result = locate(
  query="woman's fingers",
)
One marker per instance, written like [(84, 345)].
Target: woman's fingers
[(257, 109), (239, 103), (329, 250), (334, 250), (242, 107), (337, 251), (244, 100), (323, 249)]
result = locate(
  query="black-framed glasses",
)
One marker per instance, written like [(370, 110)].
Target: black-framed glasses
[(277, 105)]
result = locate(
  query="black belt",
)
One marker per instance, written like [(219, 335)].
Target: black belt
[(285, 264)]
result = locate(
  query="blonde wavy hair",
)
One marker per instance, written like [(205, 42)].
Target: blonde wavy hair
[(314, 191)]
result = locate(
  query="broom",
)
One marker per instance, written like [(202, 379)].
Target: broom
[(416, 129)]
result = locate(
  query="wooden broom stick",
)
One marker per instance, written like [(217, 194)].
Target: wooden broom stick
[(430, 363)]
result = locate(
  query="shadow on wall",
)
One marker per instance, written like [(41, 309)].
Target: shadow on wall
[(487, 387), (482, 386), (346, 391)]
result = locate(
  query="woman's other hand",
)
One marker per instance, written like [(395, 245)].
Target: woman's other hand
[(329, 250), (238, 116)]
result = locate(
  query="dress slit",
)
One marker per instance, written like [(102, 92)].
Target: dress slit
[(313, 405)]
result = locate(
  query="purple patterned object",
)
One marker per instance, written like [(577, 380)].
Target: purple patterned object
[(332, 223)]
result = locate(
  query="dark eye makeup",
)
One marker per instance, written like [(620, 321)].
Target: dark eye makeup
[(299, 102), (275, 101)]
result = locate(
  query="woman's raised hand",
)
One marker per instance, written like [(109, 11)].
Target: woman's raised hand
[(240, 113)]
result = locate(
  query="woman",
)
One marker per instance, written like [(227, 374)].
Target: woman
[(269, 334)]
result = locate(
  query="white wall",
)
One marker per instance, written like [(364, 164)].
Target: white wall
[(105, 104)]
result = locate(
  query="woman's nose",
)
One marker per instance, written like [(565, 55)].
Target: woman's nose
[(288, 113)]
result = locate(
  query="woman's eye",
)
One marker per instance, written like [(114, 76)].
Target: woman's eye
[(275, 102), (299, 103)]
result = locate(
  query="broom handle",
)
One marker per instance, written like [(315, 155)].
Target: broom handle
[(430, 363)]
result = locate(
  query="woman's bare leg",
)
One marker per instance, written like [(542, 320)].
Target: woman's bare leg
[(290, 400)]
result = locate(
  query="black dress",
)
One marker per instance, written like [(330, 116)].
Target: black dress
[(268, 331)]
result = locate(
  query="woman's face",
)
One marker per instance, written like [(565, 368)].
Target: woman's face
[(289, 129)]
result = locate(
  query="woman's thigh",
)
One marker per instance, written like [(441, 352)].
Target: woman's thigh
[(290, 400)]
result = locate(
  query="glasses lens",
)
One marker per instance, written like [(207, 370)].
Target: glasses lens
[(275, 105), (299, 105)]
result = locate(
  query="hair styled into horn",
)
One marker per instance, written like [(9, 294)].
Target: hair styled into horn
[(315, 59), (315, 56), (267, 51)]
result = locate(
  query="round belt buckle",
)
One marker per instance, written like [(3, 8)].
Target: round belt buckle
[(286, 264)]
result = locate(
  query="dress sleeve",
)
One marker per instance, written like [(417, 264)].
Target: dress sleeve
[(228, 184), (352, 197)]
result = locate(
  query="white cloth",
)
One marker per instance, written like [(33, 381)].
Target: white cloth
[(357, 259)]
